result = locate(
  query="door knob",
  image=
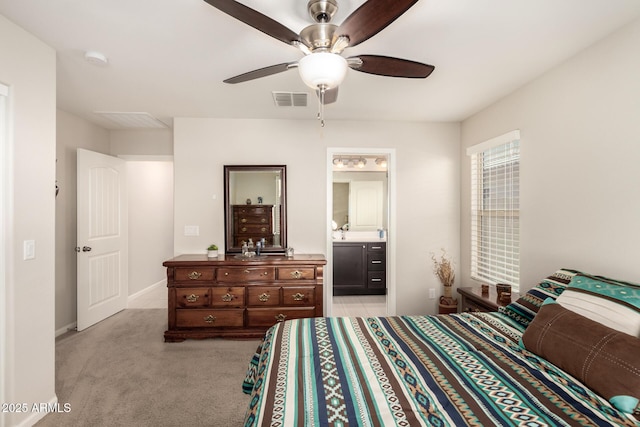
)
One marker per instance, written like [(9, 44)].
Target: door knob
[(86, 249)]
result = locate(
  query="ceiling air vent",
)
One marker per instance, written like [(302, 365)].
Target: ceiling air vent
[(127, 120), (290, 99)]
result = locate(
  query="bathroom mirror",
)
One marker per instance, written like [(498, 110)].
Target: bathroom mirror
[(255, 206), (359, 200)]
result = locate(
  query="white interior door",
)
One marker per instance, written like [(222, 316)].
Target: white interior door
[(102, 237), (365, 205)]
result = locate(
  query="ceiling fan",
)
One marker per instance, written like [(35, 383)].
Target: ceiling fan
[(323, 67)]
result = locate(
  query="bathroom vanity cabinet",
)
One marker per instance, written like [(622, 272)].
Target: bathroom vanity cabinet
[(359, 268)]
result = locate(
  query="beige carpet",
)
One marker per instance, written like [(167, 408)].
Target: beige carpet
[(120, 372)]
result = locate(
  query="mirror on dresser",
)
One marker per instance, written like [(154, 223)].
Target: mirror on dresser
[(255, 207)]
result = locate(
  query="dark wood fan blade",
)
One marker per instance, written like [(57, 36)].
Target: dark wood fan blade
[(391, 67), (255, 19), (261, 72), (371, 18), (330, 96)]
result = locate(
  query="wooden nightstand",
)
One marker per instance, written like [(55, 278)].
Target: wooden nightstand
[(473, 300)]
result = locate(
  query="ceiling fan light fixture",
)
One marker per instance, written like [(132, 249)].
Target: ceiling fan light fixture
[(322, 69), (340, 44)]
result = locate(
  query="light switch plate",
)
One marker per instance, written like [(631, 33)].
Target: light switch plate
[(29, 249), (191, 230)]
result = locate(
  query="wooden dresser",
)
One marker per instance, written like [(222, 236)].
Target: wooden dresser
[(252, 222), (233, 297)]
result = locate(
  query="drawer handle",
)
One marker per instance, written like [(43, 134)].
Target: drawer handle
[(280, 317), (227, 297), (296, 274), (264, 297), (298, 297), (263, 220), (375, 261), (243, 229), (376, 247), (247, 271), (243, 220), (264, 229), (193, 298), (376, 280), (210, 319), (194, 275)]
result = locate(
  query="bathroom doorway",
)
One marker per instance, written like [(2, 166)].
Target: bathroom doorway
[(360, 275)]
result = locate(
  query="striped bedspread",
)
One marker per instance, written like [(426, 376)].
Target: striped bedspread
[(450, 370)]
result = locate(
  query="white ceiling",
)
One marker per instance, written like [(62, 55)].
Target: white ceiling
[(169, 57)]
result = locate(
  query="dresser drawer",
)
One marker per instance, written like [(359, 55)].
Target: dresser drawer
[(253, 210), (227, 297), (253, 219), (293, 273), (193, 274), (298, 295), (266, 317), (263, 296), (207, 318), (193, 297), (246, 274), (469, 305), (258, 229)]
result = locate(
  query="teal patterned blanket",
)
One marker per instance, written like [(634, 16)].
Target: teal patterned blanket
[(448, 370)]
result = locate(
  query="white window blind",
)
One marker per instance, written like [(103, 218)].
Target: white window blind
[(495, 210)]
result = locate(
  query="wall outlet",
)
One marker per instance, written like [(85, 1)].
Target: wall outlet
[(432, 293)]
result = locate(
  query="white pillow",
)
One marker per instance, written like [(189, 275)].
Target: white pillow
[(611, 303)]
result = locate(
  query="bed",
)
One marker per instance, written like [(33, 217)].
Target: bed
[(475, 369)]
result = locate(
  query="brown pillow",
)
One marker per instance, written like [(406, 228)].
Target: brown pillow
[(605, 360)]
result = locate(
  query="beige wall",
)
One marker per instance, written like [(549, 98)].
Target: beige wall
[(150, 222), (580, 147), (427, 185), (145, 142), (28, 67)]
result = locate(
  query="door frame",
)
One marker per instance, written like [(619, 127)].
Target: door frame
[(391, 216), (6, 251)]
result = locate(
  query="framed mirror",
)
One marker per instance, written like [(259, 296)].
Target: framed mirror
[(255, 202)]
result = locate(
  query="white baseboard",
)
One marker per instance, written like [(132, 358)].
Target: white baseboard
[(65, 329), (39, 411), (161, 284)]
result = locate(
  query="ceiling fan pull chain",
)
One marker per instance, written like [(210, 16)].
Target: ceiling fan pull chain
[(323, 89)]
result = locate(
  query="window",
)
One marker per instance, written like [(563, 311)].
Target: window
[(495, 210)]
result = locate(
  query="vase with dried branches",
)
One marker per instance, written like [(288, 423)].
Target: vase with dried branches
[(444, 269)]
